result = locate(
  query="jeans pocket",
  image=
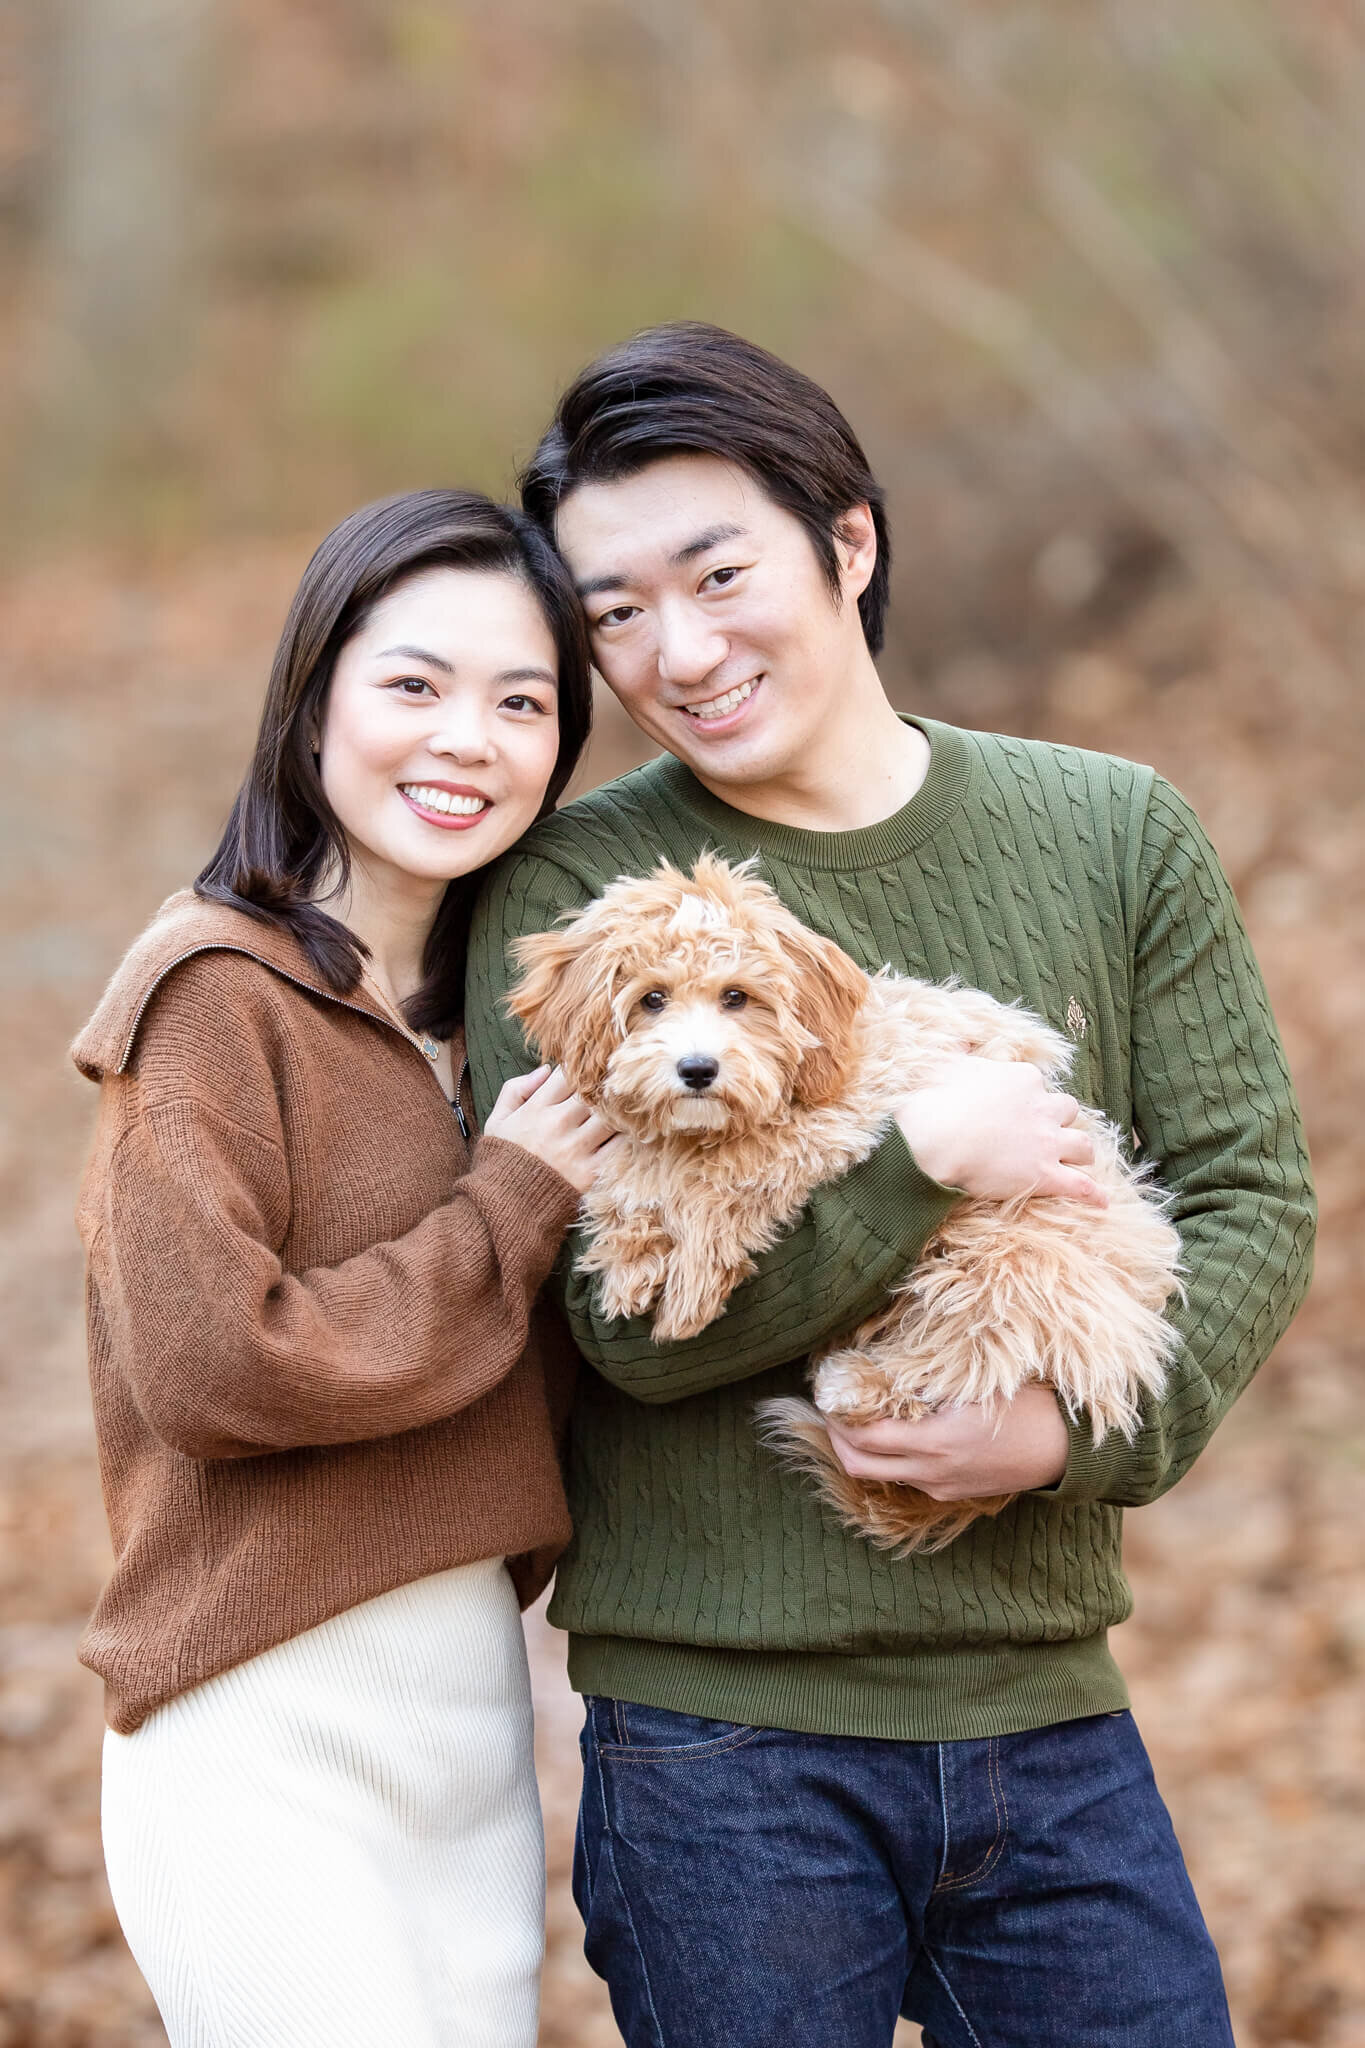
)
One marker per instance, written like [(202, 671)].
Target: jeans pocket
[(627, 1732)]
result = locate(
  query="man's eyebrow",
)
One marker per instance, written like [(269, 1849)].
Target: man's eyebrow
[(711, 537), (422, 654), (700, 542)]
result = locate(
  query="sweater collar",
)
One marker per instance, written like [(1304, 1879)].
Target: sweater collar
[(869, 846), (187, 924)]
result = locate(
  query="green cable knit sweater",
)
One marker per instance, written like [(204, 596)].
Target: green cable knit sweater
[(702, 1575)]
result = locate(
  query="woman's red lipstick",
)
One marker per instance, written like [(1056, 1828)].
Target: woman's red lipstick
[(448, 821)]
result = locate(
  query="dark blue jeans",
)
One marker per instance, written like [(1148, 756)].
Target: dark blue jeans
[(752, 1888)]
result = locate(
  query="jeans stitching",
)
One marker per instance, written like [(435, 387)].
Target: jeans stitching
[(939, 1972), (581, 1835), (995, 1779), (947, 1825), (622, 1727), (686, 1751), (636, 1943)]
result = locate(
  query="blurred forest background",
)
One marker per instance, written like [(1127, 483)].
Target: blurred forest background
[(1090, 281)]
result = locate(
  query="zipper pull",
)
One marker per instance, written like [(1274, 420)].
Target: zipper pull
[(461, 1119)]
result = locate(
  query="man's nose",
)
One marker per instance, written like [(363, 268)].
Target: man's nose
[(689, 646)]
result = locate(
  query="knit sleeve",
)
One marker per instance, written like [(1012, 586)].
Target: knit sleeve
[(857, 1237), (1214, 1109), (227, 1353)]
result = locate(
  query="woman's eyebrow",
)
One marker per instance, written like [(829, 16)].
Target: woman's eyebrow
[(423, 654), (528, 675)]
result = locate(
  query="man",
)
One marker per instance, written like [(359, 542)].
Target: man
[(824, 1785)]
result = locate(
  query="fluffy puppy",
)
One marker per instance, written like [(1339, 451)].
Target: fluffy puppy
[(746, 1060)]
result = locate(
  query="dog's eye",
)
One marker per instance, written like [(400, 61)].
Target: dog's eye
[(655, 1000), (733, 999)]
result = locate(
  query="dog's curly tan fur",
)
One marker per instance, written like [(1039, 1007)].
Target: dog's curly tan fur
[(810, 1055)]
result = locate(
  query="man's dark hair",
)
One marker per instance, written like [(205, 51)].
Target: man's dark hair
[(691, 389), (283, 839)]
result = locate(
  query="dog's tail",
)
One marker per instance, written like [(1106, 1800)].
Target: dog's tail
[(894, 1517)]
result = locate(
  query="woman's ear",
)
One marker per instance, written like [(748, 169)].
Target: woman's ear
[(831, 990), (564, 999)]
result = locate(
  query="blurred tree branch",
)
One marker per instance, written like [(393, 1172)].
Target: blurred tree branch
[(123, 206)]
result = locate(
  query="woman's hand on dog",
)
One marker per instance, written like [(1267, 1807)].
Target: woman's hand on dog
[(996, 1130), (541, 1113), (962, 1453)]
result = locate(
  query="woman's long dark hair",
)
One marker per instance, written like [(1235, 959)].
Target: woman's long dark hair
[(283, 839)]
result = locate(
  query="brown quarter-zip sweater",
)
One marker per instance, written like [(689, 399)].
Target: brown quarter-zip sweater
[(310, 1311)]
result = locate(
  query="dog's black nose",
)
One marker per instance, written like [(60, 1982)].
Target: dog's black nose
[(698, 1070)]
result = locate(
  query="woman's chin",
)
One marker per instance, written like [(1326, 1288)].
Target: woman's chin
[(443, 855)]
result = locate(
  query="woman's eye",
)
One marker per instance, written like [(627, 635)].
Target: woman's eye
[(412, 686), (520, 703), (733, 999), (655, 1000)]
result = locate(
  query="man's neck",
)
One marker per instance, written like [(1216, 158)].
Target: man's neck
[(861, 774)]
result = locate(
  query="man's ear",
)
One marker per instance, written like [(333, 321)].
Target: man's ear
[(831, 990), (564, 1000), (855, 544)]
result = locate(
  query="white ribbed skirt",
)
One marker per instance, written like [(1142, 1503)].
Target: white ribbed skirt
[(338, 1843)]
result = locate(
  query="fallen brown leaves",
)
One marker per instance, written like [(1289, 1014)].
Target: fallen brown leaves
[(129, 700)]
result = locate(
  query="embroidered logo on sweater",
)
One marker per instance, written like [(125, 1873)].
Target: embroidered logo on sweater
[(1077, 1023)]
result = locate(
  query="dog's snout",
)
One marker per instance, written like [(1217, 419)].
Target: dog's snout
[(698, 1069)]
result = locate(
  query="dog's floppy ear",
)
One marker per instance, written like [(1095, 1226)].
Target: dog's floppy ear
[(564, 1000), (830, 992)]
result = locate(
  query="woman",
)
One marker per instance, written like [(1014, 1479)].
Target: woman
[(323, 1424)]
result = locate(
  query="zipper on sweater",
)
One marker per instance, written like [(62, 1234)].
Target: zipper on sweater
[(461, 1119)]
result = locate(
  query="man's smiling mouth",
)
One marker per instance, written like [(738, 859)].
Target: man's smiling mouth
[(721, 707)]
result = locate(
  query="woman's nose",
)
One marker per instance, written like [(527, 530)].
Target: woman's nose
[(466, 737)]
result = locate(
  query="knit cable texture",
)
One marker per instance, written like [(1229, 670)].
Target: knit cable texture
[(702, 1575)]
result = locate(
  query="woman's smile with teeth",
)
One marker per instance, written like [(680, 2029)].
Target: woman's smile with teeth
[(443, 799), (720, 707)]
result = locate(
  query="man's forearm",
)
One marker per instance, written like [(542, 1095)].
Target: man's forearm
[(1213, 1101), (857, 1238)]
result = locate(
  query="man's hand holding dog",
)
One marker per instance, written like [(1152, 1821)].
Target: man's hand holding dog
[(960, 1453), (995, 1129)]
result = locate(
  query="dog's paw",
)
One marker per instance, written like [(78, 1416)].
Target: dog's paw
[(851, 1386), (845, 1388), (692, 1301), (626, 1294)]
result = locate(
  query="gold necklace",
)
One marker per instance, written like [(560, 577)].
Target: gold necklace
[(423, 1040)]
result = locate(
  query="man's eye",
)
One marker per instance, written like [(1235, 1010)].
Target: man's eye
[(655, 1000), (618, 615), (721, 577), (733, 999)]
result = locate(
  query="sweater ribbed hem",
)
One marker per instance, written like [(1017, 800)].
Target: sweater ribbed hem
[(954, 1695), (1093, 1471), (896, 1198)]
